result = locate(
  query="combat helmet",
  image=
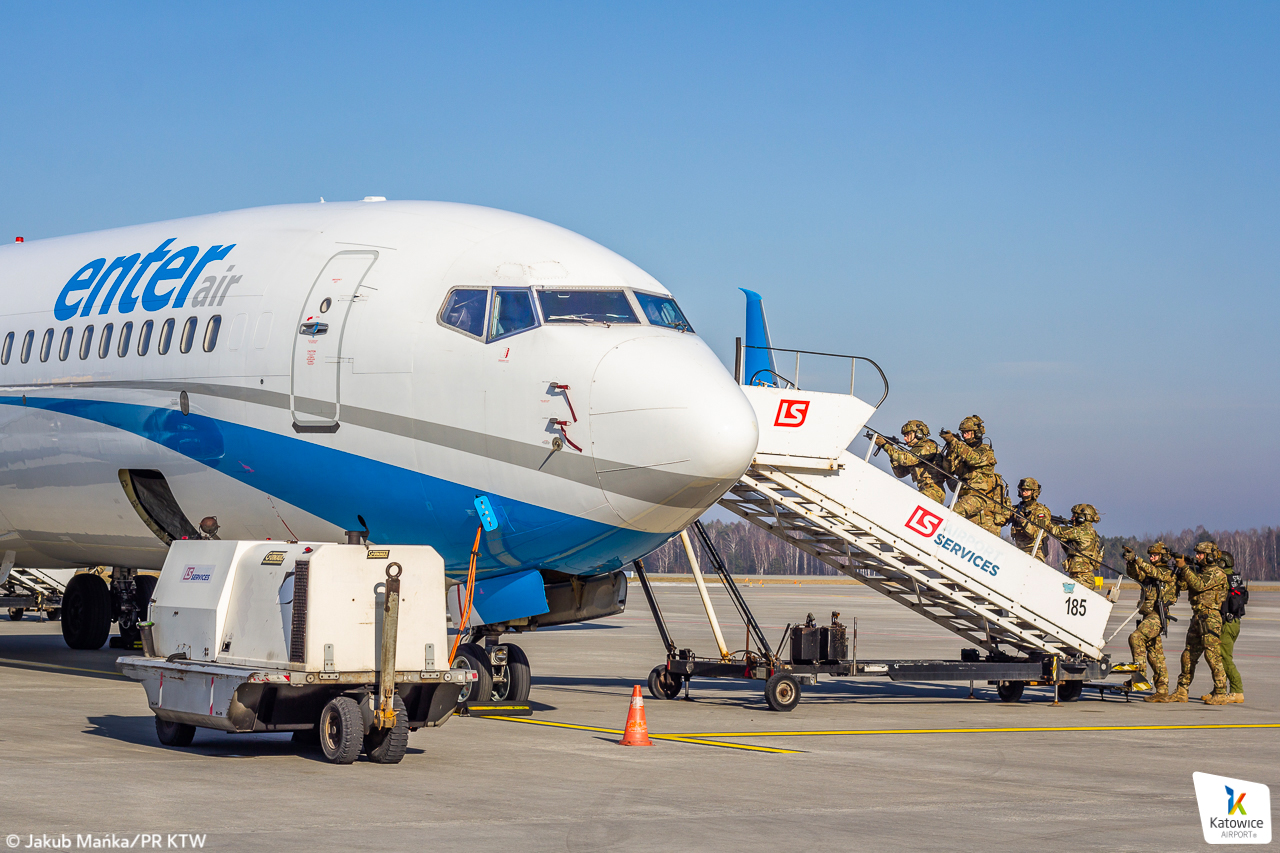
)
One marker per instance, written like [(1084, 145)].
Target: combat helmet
[(1209, 549), (1157, 550), (920, 428), (973, 423), (1029, 484), (1086, 511)]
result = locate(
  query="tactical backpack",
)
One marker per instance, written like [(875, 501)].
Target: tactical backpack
[(1237, 591), (1003, 509)]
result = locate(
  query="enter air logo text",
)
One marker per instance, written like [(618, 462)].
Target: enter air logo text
[(172, 275)]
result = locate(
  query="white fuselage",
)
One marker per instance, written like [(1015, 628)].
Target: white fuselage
[(339, 387)]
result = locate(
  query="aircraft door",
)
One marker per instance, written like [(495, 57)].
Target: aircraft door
[(317, 343)]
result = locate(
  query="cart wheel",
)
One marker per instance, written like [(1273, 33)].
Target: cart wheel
[(472, 656), (174, 734), (55, 614), (388, 746), (662, 684), (86, 612), (782, 692), (1069, 691), (15, 614), (1010, 691), (341, 730), (516, 687)]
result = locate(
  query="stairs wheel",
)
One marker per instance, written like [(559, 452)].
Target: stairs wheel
[(1010, 691)]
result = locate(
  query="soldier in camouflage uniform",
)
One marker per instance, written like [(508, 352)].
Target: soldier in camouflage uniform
[(1159, 584), (1032, 520), (1083, 544), (1207, 586), (908, 462), (973, 462)]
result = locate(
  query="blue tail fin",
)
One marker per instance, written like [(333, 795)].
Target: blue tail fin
[(757, 364)]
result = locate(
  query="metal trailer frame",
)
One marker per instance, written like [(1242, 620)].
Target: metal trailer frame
[(1009, 673), (31, 589)]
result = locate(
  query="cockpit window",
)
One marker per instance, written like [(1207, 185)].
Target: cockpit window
[(586, 306), (663, 311), (465, 310), (512, 312)]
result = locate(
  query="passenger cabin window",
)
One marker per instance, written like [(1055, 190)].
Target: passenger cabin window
[(512, 312), (104, 342), (585, 306), (126, 332), (46, 345), (211, 332), (166, 337), (188, 336), (464, 310), (27, 341), (64, 348), (144, 337), (7, 349), (663, 311), (86, 342)]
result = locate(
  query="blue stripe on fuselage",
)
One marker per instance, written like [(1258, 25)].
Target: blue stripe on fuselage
[(401, 506)]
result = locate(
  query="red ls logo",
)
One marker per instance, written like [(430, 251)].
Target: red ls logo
[(791, 413), (924, 522)]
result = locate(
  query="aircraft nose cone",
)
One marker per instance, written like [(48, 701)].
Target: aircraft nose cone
[(671, 431)]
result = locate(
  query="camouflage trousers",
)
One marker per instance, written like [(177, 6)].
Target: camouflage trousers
[(978, 509), (933, 492), (1146, 645), (1084, 577), (1039, 554), (1204, 638)]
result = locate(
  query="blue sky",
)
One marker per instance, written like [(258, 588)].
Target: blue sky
[(1061, 217)]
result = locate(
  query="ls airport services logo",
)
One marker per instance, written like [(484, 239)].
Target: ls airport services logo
[(197, 574), (924, 522), (1233, 811), (791, 413)]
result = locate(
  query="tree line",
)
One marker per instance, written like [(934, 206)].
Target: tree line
[(749, 550)]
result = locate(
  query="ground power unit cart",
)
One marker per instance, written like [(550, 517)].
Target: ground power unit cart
[(344, 645)]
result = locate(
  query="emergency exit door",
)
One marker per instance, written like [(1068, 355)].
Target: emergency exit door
[(317, 342)]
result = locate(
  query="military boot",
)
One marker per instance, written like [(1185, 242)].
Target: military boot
[(1179, 695), (1161, 694), (1235, 698), (1215, 699)]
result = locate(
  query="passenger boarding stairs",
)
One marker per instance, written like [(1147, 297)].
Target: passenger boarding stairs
[(806, 489), (29, 589)]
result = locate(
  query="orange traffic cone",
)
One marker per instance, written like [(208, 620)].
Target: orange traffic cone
[(637, 733)]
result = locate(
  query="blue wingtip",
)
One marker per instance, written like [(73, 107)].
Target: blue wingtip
[(757, 359)]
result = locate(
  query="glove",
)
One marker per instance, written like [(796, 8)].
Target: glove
[(880, 442), (947, 436), (1128, 552)]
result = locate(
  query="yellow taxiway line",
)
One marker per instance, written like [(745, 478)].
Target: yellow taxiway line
[(970, 731), (696, 739)]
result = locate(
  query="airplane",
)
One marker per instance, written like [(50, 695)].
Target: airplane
[(373, 371)]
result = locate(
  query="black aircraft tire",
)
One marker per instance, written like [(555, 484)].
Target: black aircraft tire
[(782, 692), (662, 684), (1069, 691), (519, 677), (474, 657), (15, 614), (1010, 691), (145, 587), (388, 746), (86, 612), (174, 734), (341, 730)]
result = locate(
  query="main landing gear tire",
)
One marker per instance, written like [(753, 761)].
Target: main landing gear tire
[(782, 692), (472, 656), (86, 612), (388, 746), (519, 677), (174, 734), (15, 614), (1069, 691), (662, 684), (1010, 691), (341, 730)]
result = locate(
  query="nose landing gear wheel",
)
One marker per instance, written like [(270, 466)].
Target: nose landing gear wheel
[(518, 677), (472, 656), (662, 684), (782, 692)]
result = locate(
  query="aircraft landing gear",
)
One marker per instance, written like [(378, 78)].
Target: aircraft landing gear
[(503, 672), (90, 604)]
